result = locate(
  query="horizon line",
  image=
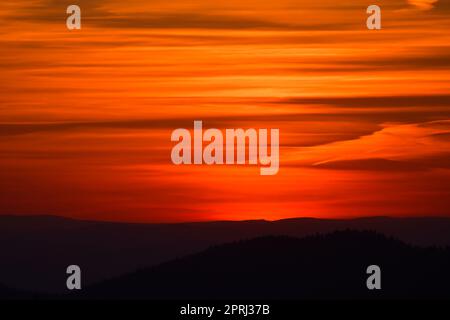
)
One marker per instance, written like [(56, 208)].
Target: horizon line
[(220, 221)]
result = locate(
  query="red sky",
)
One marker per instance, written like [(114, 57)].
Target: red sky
[(86, 116)]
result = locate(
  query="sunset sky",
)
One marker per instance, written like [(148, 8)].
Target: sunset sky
[(86, 115)]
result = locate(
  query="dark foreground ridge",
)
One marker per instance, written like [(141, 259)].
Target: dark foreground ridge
[(7, 293), (36, 250), (329, 266)]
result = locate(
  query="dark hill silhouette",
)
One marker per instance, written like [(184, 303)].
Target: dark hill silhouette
[(7, 293), (321, 266), (36, 250)]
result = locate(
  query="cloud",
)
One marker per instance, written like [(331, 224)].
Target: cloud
[(445, 136), (420, 110), (423, 4), (184, 14), (397, 147), (440, 100), (426, 60), (372, 164), (95, 16), (186, 21), (442, 6)]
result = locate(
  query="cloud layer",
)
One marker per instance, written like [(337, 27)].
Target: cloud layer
[(87, 115)]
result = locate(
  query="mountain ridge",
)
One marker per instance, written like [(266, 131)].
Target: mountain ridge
[(330, 266), (45, 245)]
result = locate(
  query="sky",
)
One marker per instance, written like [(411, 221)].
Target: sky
[(86, 115)]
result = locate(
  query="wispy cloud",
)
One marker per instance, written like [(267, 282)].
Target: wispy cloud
[(87, 115)]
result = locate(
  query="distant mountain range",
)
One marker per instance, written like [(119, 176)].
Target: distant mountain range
[(36, 250)]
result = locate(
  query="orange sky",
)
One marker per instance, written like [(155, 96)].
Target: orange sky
[(86, 116)]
